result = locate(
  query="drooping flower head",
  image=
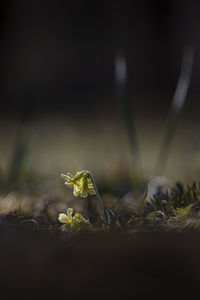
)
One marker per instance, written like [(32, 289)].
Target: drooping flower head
[(81, 183)]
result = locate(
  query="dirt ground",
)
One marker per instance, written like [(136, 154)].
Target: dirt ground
[(97, 265)]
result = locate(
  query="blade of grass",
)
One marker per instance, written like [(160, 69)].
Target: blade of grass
[(127, 112), (20, 149), (175, 110)]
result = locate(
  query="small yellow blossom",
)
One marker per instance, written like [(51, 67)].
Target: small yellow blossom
[(66, 218), (70, 222), (81, 183)]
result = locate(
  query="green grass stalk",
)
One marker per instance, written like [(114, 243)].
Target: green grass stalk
[(176, 109), (127, 112)]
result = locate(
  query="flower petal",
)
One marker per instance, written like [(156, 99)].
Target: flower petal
[(78, 175), (76, 191), (63, 218), (69, 184), (67, 177), (91, 191), (84, 194), (64, 227), (79, 218), (69, 212)]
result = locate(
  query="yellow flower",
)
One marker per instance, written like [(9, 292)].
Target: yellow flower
[(86, 186), (66, 218), (70, 222), (81, 183)]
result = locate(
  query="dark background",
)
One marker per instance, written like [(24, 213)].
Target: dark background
[(64, 51), (58, 100)]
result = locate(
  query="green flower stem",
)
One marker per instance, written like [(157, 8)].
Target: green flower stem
[(100, 204)]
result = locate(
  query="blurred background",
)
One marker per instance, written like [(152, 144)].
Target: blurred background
[(60, 107), (89, 85)]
